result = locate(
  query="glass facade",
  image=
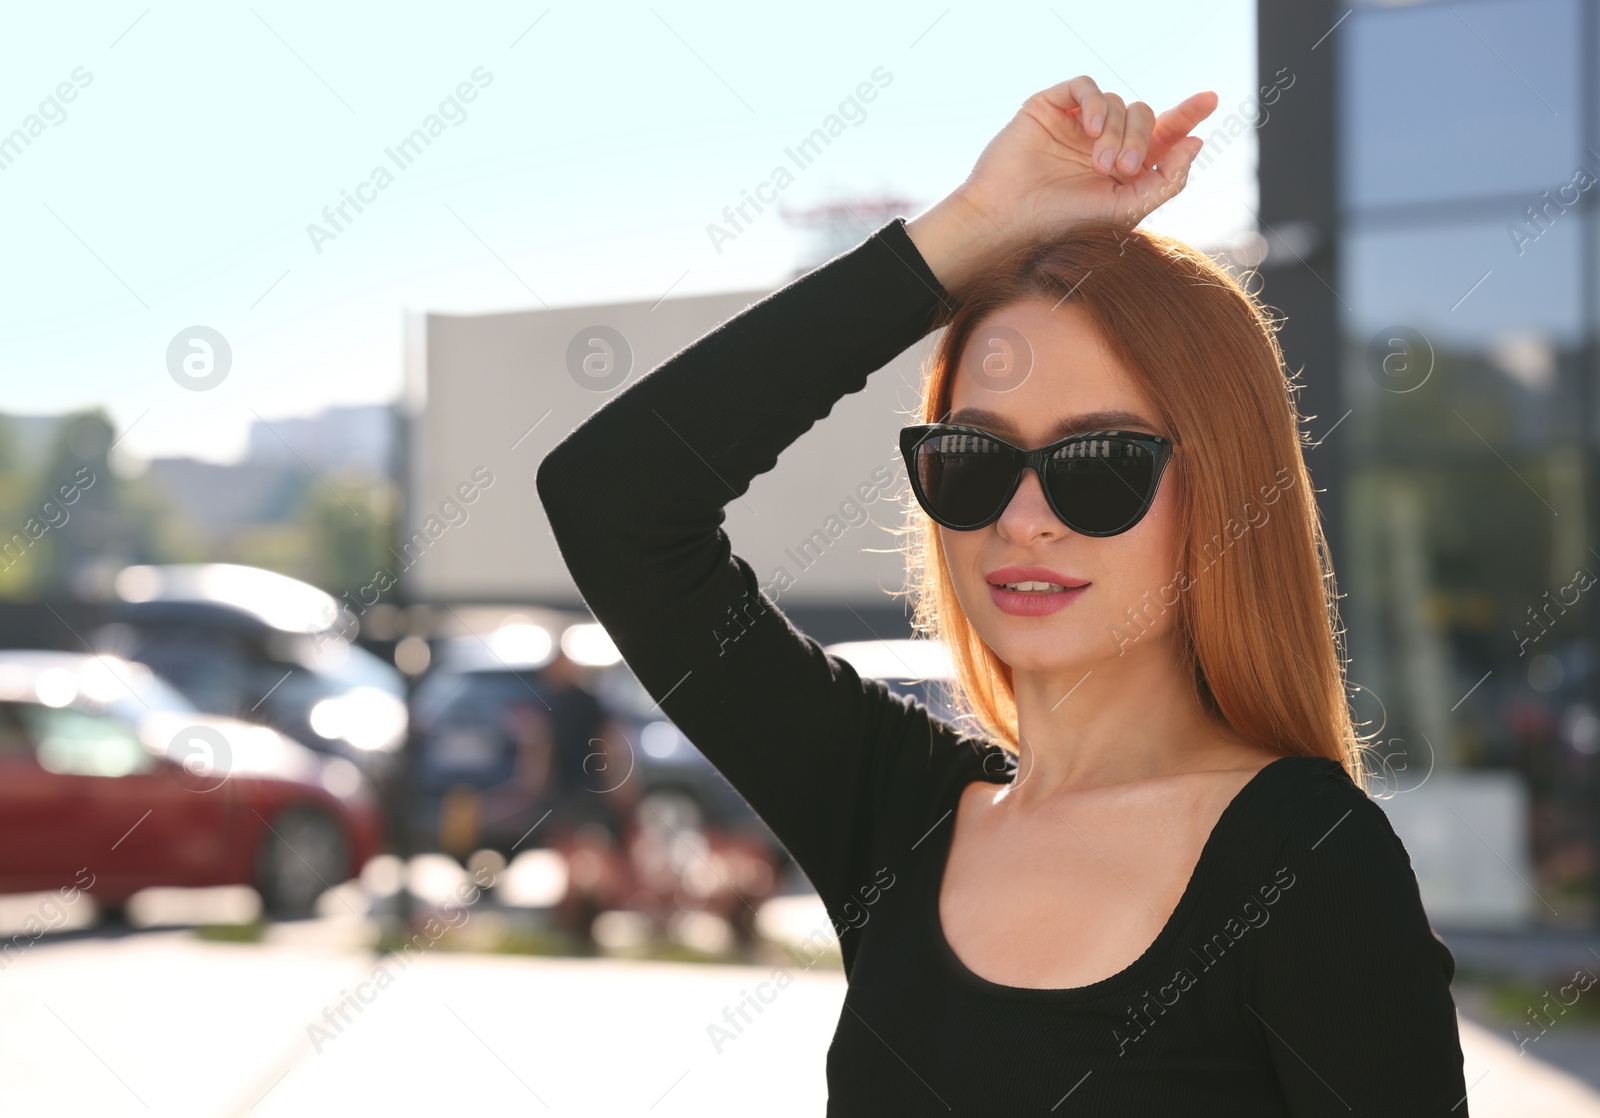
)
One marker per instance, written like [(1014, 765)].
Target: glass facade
[(1467, 254), (1456, 101)]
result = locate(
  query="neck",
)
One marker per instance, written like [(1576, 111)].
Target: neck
[(1113, 720)]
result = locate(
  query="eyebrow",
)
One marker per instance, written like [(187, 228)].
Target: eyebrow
[(1112, 420)]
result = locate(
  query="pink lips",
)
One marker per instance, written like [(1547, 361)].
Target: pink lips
[(1033, 603)]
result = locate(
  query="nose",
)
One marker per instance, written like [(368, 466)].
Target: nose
[(1029, 516)]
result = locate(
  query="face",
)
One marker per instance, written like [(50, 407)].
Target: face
[(1071, 377)]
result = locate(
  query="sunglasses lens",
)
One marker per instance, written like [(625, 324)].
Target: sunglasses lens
[(964, 478), (1102, 485)]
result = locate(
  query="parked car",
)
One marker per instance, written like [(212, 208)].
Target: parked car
[(463, 714), (671, 770), (262, 647), (110, 779), (469, 726), (673, 835)]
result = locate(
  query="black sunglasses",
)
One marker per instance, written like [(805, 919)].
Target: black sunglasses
[(1098, 483)]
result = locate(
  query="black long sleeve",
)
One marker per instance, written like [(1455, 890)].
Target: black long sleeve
[(1297, 975), (635, 497)]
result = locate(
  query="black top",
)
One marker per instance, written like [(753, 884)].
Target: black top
[(1298, 974), (576, 720)]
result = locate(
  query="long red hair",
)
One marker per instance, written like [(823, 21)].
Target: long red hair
[(1258, 613)]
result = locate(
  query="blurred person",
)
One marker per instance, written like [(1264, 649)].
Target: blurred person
[(506, 813), (1142, 870), (516, 805), (592, 755), (593, 805)]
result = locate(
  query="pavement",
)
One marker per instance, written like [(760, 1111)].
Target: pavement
[(162, 1023), (307, 1023), (1559, 969)]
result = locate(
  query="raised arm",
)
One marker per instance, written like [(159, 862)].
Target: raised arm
[(635, 494)]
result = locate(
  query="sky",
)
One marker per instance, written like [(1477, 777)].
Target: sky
[(184, 154)]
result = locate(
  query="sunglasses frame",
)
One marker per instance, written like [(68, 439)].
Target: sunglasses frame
[(912, 437)]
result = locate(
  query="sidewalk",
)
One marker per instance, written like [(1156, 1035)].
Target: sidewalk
[(162, 1022), (1502, 1082), (1554, 965), (304, 1022)]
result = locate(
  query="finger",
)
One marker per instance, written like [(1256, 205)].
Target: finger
[(1178, 121), (1136, 128), (1079, 93), (1169, 176), (1110, 139)]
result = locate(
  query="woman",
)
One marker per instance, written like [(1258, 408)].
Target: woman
[(1146, 882)]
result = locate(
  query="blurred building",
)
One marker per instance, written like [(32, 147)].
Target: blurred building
[(489, 395), (32, 435), (840, 225), (500, 390), (358, 439), (219, 499), (1426, 175), (284, 461)]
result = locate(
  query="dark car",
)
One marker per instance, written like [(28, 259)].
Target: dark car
[(111, 781), (641, 819), (473, 732), (262, 647), (483, 695)]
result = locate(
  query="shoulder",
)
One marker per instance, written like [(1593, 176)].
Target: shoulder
[(1342, 895), (1300, 801), (1343, 841), (1304, 818), (1332, 846)]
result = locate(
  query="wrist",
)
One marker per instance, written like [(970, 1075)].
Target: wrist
[(952, 236)]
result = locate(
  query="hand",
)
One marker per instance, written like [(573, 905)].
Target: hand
[(1047, 170), (1073, 153)]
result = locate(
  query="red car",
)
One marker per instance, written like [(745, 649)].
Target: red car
[(111, 781)]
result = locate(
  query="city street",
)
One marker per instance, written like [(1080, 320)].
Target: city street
[(160, 1022), (504, 560)]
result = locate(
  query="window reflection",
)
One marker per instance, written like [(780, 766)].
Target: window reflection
[(1464, 508), (1500, 358), (1430, 111), (1466, 285)]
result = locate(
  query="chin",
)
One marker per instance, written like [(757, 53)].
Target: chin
[(1041, 648)]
